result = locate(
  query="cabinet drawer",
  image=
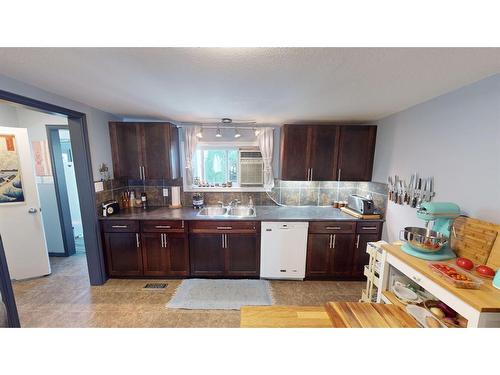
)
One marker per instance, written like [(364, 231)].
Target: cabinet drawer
[(175, 226), (332, 227), (368, 227), (120, 226), (217, 226)]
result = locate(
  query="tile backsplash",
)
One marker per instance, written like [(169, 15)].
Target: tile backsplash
[(291, 193)]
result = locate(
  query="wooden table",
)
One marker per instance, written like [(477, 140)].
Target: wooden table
[(332, 315), (368, 315), (284, 317)]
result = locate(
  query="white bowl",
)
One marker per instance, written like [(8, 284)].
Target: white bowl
[(405, 293)]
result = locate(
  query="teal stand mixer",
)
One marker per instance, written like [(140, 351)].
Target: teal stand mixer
[(431, 243)]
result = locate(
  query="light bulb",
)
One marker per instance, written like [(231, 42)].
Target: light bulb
[(218, 134), (199, 133), (236, 133)]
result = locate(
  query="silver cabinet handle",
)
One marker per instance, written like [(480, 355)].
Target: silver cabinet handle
[(311, 174), (333, 243), (225, 236), (340, 171), (329, 241), (165, 240), (224, 228), (140, 173), (222, 239), (333, 228), (161, 239), (357, 242), (417, 279), (119, 226), (163, 226), (32, 210), (143, 173), (137, 240), (368, 228)]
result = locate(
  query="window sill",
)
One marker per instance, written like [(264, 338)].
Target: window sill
[(226, 189)]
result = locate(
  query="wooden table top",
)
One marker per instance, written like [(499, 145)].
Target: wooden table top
[(284, 317), (486, 299), (332, 315), (368, 315)]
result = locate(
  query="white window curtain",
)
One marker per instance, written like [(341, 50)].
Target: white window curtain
[(190, 143), (265, 140)]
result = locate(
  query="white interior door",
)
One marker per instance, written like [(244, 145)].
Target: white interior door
[(21, 222)]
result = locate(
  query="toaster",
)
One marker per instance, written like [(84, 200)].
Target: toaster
[(110, 208), (361, 204)]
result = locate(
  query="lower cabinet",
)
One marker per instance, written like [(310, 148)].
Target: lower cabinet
[(225, 250), (361, 257), (165, 254), (338, 250), (207, 254), (154, 252), (123, 254)]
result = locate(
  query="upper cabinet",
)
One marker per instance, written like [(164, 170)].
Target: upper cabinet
[(145, 150), (327, 152), (355, 152)]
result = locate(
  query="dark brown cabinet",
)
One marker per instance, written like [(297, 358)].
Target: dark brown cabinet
[(337, 250), (123, 253), (321, 152), (207, 254), (242, 255), (153, 248), (356, 151), (224, 249), (144, 150), (165, 254)]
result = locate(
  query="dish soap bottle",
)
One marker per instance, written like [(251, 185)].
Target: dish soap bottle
[(144, 200)]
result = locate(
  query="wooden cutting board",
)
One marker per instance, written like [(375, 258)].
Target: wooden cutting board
[(353, 213), (474, 239), (368, 315)]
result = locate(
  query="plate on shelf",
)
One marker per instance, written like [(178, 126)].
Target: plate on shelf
[(406, 295), (419, 313)]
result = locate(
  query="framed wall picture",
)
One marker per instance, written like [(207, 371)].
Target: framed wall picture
[(11, 187)]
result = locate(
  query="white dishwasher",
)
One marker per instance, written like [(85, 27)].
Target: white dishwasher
[(283, 247)]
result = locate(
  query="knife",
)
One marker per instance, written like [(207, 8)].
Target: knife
[(431, 188), (389, 180)]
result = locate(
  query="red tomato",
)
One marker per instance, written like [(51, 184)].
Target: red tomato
[(465, 263), (485, 271)]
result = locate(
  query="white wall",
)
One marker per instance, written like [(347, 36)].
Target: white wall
[(456, 139), (97, 121)]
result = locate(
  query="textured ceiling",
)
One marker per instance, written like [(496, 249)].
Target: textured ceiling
[(269, 85)]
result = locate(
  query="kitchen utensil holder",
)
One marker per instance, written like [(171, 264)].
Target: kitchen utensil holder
[(414, 193)]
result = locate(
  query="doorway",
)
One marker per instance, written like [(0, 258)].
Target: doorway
[(66, 189)]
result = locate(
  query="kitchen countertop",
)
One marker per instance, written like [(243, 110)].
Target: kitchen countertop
[(264, 213)]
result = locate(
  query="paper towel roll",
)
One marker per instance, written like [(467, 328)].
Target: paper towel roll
[(176, 196)]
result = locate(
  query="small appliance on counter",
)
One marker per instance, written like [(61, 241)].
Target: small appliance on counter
[(198, 201), (176, 197), (110, 208), (427, 243), (361, 204)]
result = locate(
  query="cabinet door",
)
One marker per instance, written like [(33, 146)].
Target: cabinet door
[(324, 151), (341, 256), (295, 152), (175, 167), (178, 254), (242, 255), (360, 256), (318, 255), (126, 149), (206, 254), (356, 150), (154, 255), (123, 254), (156, 150)]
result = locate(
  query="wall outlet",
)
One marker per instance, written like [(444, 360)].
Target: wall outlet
[(98, 186), (165, 192)]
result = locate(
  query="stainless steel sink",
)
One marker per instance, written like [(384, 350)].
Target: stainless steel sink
[(242, 211), (213, 211), (239, 211)]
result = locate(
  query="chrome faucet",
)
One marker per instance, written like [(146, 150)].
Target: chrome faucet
[(234, 203)]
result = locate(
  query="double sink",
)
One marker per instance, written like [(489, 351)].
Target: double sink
[(236, 211)]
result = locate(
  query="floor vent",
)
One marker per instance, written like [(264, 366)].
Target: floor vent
[(155, 286)]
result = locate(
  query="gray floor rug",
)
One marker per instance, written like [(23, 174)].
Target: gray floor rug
[(202, 294)]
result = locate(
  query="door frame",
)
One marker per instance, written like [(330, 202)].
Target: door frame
[(61, 190), (77, 123), (6, 291)]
